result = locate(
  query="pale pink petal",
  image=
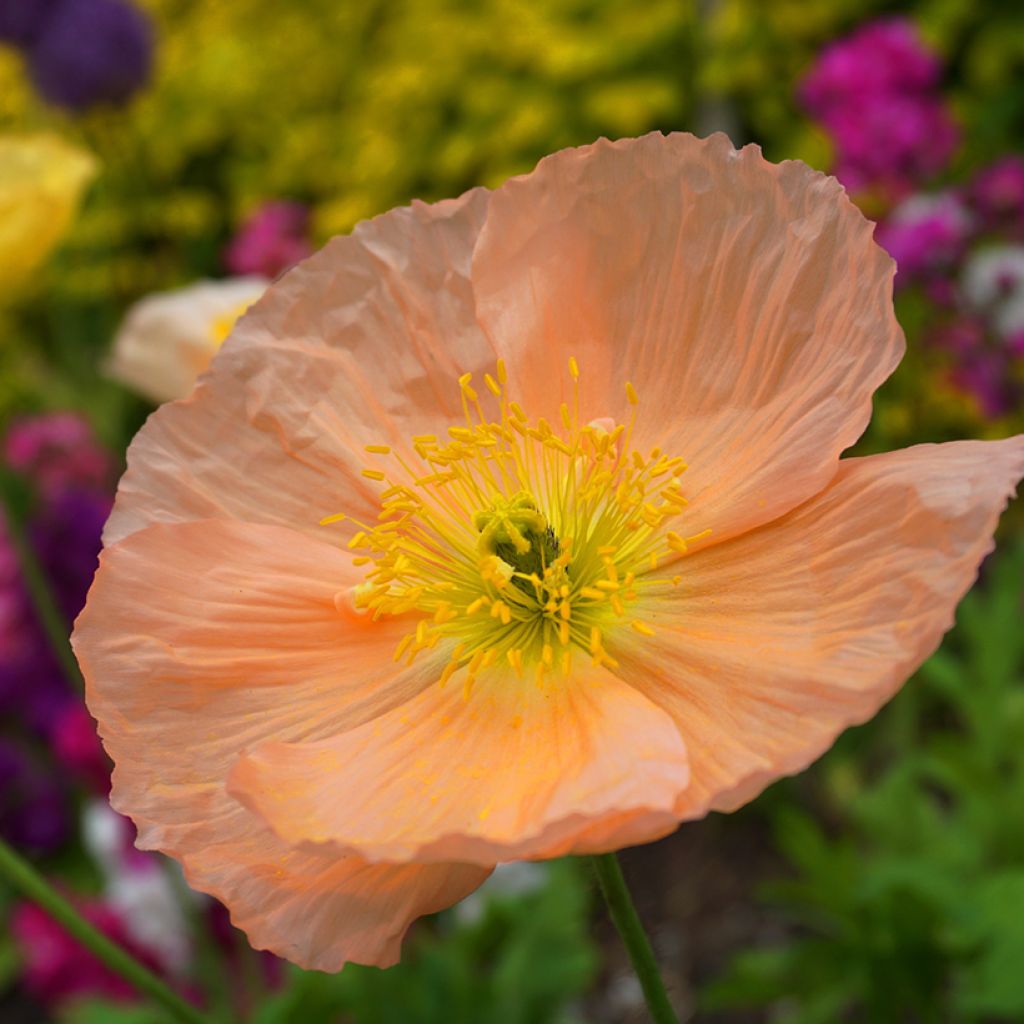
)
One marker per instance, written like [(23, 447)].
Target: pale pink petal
[(200, 638), (777, 640), (746, 301), (360, 344), (511, 770)]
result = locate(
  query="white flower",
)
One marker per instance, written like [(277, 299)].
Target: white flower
[(993, 283), (168, 339), (137, 887)]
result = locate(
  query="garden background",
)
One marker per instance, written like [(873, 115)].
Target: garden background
[(146, 147)]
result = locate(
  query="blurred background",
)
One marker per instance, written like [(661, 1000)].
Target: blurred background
[(162, 160)]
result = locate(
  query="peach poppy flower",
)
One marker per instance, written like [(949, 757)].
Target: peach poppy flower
[(414, 582)]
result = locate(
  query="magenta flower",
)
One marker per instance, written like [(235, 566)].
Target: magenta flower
[(270, 241), (875, 93), (925, 235), (58, 451), (998, 195), (57, 968)]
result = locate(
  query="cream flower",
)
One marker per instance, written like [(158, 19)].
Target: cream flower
[(168, 339)]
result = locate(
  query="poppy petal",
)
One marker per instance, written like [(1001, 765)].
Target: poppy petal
[(275, 431), (777, 640), (510, 770), (746, 302)]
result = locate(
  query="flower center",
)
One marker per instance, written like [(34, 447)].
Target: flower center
[(512, 541)]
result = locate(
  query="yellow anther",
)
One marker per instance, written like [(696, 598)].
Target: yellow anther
[(338, 517), (472, 523), (403, 645), (631, 394)]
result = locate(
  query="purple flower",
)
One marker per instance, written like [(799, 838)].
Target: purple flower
[(926, 235), (21, 21), (33, 810), (270, 241), (90, 52), (70, 475)]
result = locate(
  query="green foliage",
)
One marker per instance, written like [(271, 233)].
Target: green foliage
[(523, 960), (912, 908)]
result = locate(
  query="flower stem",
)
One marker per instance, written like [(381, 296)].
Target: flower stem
[(625, 919), (31, 884)]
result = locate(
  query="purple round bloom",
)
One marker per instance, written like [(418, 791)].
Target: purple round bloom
[(33, 811), (91, 52), (21, 21), (925, 235)]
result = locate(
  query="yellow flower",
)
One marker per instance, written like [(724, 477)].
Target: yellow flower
[(42, 179)]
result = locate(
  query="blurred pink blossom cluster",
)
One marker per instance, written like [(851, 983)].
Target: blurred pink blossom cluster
[(876, 93), (273, 239), (964, 249)]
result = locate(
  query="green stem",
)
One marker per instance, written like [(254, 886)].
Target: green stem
[(39, 591), (624, 916), (31, 884)]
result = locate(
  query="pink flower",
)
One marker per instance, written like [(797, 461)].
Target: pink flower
[(270, 241), (881, 58), (58, 450), (57, 968), (78, 748), (926, 234), (874, 93), (998, 194)]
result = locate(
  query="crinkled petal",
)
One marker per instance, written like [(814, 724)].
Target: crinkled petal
[(777, 640), (323, 911), (512, 770), (360, 344), (200, 638), (746, 301)]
